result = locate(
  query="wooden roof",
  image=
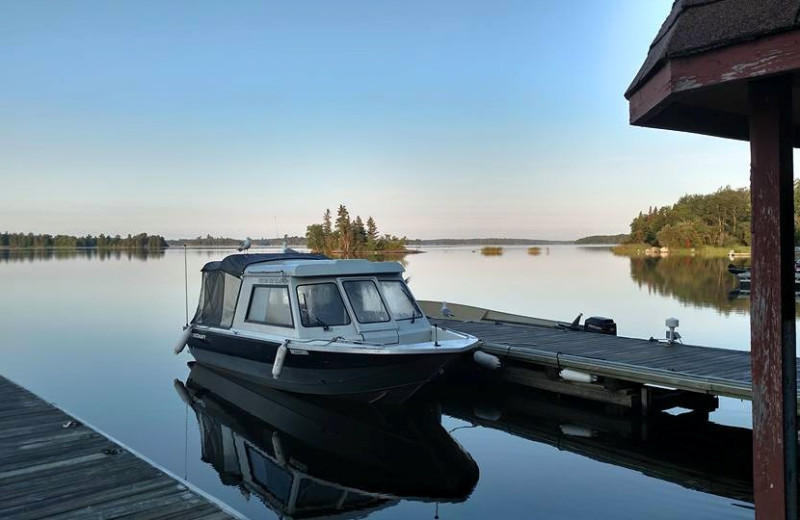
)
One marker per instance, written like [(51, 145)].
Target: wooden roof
[(695, 75)]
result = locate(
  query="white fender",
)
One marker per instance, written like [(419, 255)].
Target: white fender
[(487, 413), (577, 377), (184, 339), (183, 393), (280, 357), (486, 360), (277, 448), (577, 431)]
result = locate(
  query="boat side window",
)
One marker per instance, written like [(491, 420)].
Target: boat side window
[(366, 301), (321, 305), (219, 295), (269, 304), (399, 300)]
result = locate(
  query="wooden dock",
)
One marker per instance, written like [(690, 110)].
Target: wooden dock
[(53, 466), (632, 372)]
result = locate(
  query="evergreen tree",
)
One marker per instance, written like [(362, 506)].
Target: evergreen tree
[(372, 234), (344, 230), (359, 234)]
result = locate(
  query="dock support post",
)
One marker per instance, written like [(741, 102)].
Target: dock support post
[(772, 306), (645, 400)]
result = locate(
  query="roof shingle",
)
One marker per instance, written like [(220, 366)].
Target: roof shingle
[(695, 26)]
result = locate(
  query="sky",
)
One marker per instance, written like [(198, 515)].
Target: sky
[(438, 118)]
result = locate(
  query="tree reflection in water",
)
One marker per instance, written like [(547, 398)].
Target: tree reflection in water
[(700, 281), (30, 255)]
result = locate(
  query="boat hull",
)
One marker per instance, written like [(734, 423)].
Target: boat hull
[(363, 377)]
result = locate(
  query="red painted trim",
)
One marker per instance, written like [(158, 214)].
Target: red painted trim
[(779, 53), (654, 93)]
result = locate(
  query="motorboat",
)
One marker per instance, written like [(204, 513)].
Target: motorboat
[(309, 324), (737, 270), (744, 278), (319, 457)]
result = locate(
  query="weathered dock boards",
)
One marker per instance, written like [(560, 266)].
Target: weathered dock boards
[(51, 466), (706, 370)]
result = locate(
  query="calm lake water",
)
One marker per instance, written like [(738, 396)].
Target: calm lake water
[(94, 334)]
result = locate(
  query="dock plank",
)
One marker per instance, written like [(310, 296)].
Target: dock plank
[(52, 466)]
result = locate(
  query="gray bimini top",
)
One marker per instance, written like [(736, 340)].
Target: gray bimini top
[(236, 264)]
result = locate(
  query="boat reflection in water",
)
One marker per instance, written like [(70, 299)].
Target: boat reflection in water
[(686, 448), (315, 457)]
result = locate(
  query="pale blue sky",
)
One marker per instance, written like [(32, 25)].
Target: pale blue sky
[(438, 118)]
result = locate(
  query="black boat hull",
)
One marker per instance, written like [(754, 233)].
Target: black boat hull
[(363, 377)]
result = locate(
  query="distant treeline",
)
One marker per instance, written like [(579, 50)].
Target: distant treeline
[(487, 241), (603, 239), (347, 237), (46, 241), (209, 241)]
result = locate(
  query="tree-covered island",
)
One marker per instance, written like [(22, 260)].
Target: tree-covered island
[(348, 237)]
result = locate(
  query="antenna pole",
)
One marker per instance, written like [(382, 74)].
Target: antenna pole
[(186, 283)]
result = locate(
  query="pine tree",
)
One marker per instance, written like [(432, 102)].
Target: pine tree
[(372, 234), (344, 230), (359, 234)]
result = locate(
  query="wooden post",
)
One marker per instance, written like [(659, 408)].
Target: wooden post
[(645, 400), (772, 318)]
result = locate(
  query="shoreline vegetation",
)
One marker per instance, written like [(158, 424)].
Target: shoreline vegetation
[(25, 241), (491, 251), (706, 251), (210, 242), (713, 224), (374, 244)]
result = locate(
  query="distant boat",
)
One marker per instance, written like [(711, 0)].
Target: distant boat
[(304, 323), (737, 270), (744, 276)]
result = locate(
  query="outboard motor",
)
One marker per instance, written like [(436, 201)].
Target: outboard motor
[(600, 325)]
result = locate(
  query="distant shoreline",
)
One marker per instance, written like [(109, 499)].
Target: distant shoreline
[(230, 243), (709, 251)]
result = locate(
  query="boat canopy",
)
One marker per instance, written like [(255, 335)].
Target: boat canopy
[(306, 268), (222, 281), (236, 264)]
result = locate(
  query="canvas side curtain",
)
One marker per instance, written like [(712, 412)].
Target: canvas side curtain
[(218, 296)]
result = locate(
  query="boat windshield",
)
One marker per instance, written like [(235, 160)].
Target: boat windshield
[(366, 301), (321, 305), (398, 298)]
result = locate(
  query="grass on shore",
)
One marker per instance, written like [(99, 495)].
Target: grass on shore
[(710, 251)]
